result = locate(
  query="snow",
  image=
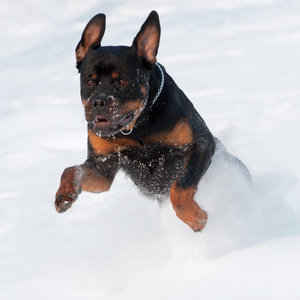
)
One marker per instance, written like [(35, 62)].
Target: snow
[(237, 60)]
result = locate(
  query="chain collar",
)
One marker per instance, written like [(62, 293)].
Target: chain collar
[(162, 83)]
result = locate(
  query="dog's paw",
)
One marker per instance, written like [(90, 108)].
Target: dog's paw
[(198, 223), (199, 226), (64, 199)]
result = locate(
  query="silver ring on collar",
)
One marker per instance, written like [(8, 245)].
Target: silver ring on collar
[(126, 132)]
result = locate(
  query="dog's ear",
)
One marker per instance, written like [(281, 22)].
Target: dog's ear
[(147, 40), (92, 35)]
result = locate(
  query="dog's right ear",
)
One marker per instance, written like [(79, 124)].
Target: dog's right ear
[(92, 35)]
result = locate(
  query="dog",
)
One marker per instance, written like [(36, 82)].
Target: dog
[(138, 121)]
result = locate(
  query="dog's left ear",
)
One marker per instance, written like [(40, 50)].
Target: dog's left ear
[(92, 35), (147, 40)]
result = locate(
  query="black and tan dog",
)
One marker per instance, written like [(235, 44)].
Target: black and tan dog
[(138, 121)]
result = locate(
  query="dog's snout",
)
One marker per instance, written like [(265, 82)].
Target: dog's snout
[(99, 103)]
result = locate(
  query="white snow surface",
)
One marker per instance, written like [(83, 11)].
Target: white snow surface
[(238, 62)]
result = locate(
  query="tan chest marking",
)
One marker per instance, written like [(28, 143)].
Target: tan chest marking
[(105, 146)]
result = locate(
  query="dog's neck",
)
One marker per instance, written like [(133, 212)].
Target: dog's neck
[(162, 83)]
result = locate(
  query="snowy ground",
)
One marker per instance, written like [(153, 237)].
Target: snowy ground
[(238, 61)]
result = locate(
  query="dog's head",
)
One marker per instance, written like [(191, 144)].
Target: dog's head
[(115, 79)]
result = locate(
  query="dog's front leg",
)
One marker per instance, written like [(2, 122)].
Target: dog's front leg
[(80, 178), (184, 188)]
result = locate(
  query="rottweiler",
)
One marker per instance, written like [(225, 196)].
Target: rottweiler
[(138, 121)]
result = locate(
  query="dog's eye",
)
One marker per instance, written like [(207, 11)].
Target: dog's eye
[(90, 82), (122, 81)]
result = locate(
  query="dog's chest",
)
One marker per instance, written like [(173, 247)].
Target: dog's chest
[(154, 168)]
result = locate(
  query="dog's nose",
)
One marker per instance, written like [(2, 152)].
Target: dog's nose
[(99, 103)]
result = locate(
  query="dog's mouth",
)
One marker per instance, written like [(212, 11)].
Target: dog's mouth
[(105, 126)]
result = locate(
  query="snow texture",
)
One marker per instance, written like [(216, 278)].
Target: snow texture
[(238, 61)]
